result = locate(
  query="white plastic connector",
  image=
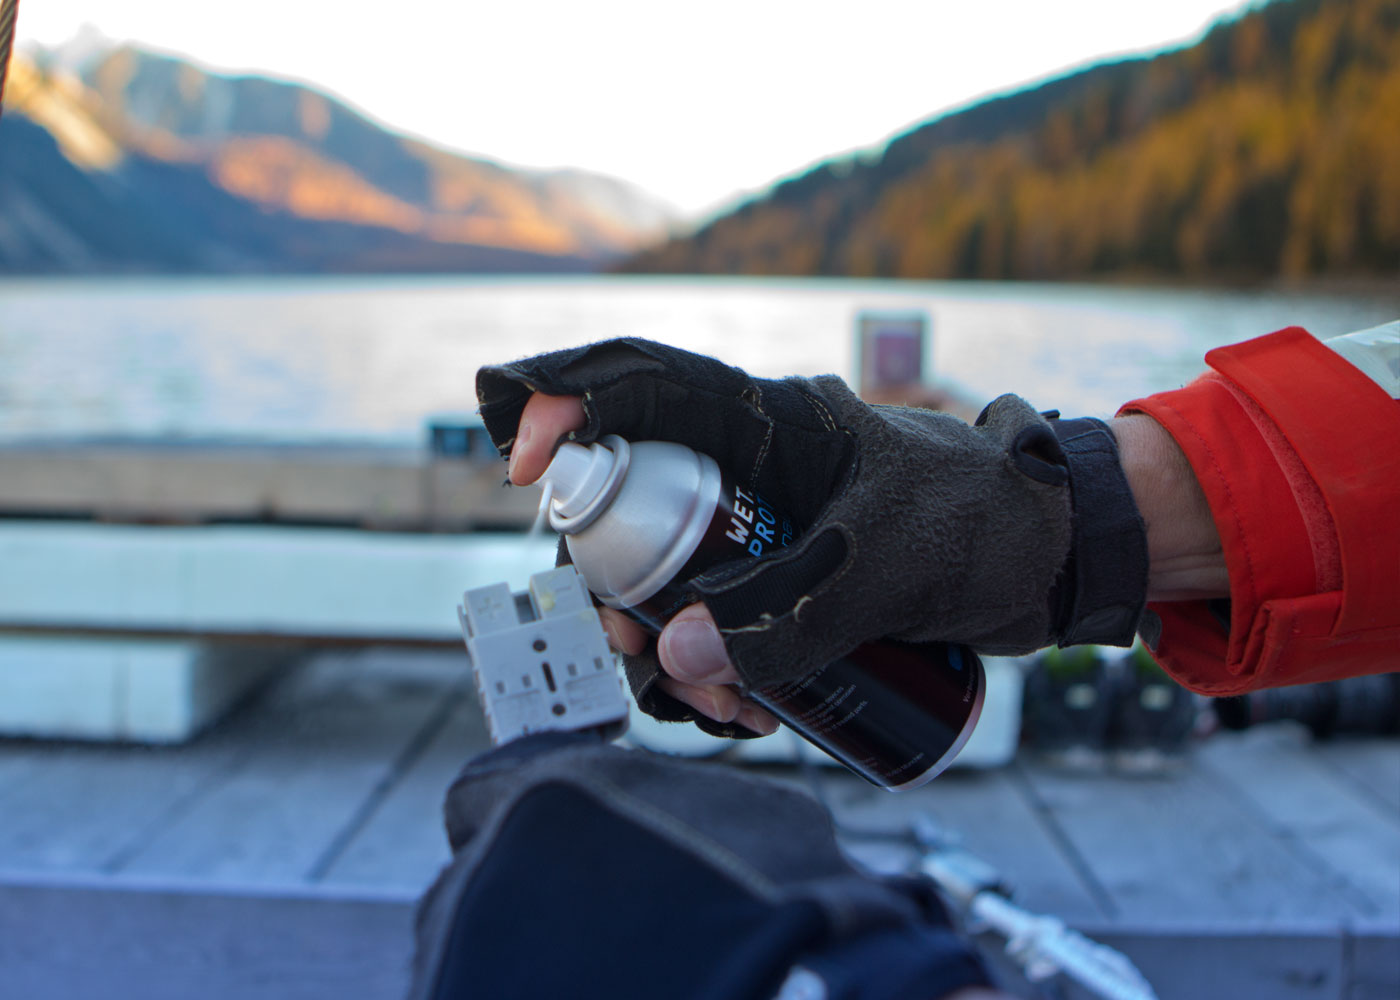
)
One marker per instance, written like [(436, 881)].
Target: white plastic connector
[(541, 657)]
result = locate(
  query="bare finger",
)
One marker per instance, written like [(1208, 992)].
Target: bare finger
[(692, 651), (543, 422), (715, 701), (624, 635)]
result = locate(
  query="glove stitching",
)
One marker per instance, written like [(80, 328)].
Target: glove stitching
[(766, 621), (757, 403), (761, 565), (590, 412), (820, 407)]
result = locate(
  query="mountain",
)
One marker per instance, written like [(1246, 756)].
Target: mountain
[(149, 163), (1267, 149)]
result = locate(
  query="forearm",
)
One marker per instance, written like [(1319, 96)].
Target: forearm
[(1185, 558)]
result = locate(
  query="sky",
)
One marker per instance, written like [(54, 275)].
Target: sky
[(697, 103)]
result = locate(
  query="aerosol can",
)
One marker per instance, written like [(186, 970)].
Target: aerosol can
[(641, 519)]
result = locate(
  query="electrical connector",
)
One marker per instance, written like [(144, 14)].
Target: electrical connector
[(541, 658)]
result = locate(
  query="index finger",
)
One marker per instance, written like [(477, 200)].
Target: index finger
[(543, 422)]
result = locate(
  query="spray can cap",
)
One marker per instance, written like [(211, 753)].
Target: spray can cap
[(582, 480)]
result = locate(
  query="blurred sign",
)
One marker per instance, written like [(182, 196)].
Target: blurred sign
[(455, 436), (891, 350)]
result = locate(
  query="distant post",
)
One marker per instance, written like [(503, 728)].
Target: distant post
[(892, 350)]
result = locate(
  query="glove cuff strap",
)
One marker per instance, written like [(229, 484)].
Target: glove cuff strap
[(1103, 590)]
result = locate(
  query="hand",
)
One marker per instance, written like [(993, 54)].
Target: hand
[(912, 524), (698, 671)]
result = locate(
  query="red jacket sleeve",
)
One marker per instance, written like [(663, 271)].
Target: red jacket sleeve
[(1298, 453)]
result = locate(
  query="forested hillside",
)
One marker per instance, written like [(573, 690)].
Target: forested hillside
[(1270, 148)]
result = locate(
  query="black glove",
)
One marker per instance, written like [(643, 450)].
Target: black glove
[(916, 525), (582, 869)]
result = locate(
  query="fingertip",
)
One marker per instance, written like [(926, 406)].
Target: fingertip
[(624, 635), (543, 422), (523, 462), (713, 701), (756, 719), (692, 651)]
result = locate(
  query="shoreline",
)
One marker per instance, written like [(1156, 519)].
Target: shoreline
[(1372, 286)]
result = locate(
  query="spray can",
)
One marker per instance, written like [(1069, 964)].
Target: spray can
[(641, 519)]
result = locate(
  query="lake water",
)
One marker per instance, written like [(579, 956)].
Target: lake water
[(356, 358)]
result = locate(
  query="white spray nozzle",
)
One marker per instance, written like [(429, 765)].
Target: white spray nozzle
[(581, 481)]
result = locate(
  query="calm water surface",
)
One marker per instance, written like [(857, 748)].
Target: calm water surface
[(354, 358)]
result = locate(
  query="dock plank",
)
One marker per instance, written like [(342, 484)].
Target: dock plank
[(332, 733), (984, 812), (1231, 962), (383, 486), (1375, 964), (18, 758), (289, 864), (79, 807), (1331, 824), (404, 844), (1183, 848), (1371, 764), (69, 941)]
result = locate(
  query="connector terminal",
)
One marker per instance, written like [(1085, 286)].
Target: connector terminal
[(541, 658)]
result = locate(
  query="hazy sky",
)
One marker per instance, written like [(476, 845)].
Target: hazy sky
[(694, 102)]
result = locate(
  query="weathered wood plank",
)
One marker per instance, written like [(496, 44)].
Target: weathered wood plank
[(18, 759), (76, 807), (1331, 825), (1374, 964), (70, 941), (329, 737), (985, 812), (380, 486), (1183, 848), (403, 844), (1231, 962), (1373, 765)]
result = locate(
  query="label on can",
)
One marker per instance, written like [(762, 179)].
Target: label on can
[(896, 713), (743, 524)]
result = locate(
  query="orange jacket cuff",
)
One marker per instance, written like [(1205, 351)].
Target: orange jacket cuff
[(1296, 451)]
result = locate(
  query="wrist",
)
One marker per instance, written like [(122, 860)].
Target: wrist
[(1185, 558)]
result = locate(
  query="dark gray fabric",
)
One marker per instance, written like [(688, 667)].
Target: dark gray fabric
[(917, 525), (774, 840), (664, 862), (1103, 592)]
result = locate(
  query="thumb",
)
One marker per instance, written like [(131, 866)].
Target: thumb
[(692, 651)]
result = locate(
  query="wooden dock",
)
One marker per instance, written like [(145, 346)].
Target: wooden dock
[(280, 854), (397, 488)]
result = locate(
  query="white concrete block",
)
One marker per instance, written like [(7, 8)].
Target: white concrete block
[(138, 690), (252, 579), (998, 733)]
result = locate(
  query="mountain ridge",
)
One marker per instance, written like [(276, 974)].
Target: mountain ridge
[(264, 171)]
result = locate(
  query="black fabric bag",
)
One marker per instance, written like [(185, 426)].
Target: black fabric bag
[(585, 870)]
